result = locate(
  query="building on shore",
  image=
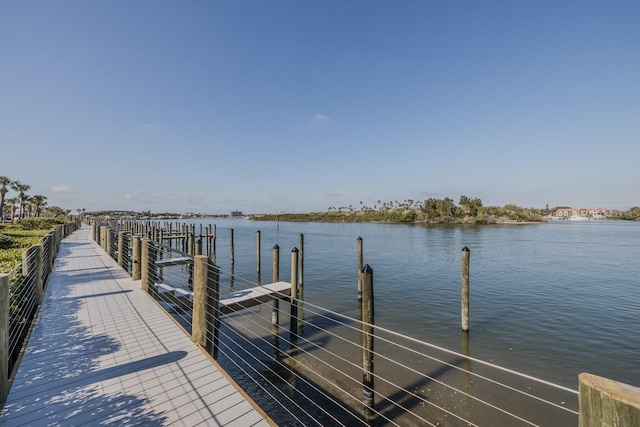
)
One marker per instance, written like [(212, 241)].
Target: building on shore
[(236, 214), (578, 214)]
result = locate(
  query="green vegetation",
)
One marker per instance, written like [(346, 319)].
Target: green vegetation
[(434, 211), (14, 239), (632, 214)]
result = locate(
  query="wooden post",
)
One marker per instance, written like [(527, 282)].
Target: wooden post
[(148, 269), (258, 255), (607, 403), (301, 284), (465, 289), (360, 265), (4, 337), (367, 338), (215, 232), (206, 314), (37, 283), (275, 313), (136, 255), (293, 323), (121, 248), (198, 247), (232, 249), (107, 241)]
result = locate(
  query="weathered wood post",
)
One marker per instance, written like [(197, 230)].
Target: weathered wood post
[(293, 323), (122, 247), (301, 285), (4, 337), (198, 246), (148, 269), (607, 403), (258, 255), (367, 339), (275, 313), (107, 241), (232, 249), (38, 283), (206, 313), (136, 255), (465, 289), (360, 265)]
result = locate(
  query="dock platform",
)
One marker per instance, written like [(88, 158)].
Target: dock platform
[(103, 352)]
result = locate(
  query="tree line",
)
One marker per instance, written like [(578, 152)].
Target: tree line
[(24, 205), (431, 210)]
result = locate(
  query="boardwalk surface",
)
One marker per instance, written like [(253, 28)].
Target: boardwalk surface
[(103, 353)]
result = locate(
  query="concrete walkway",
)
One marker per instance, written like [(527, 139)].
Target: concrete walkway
[(103, 353)]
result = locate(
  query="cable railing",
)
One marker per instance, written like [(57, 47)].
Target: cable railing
[(305, 364), (21, 293)]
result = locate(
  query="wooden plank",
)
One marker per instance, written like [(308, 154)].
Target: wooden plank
[(246, 298), (174, 261), (230, 302)]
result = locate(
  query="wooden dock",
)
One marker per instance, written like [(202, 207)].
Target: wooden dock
[(103, 352)]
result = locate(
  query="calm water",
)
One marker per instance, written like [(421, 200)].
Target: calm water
[(550, 300)]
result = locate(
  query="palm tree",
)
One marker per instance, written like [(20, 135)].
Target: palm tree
[(20, 188), (11, 207), (38, 202), (4, 181)]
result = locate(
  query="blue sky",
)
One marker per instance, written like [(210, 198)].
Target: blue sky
[(271, 106)]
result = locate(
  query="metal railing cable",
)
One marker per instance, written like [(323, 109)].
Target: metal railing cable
[(331, 367), (249, 332), (453, 366), (418, 373), (260, 362)]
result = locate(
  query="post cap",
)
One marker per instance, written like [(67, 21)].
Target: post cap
[(465, 249)]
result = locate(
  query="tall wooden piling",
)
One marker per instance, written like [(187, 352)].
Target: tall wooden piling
[(232, 248), (367, 338), (258, 256), (293, 324), (275, 313), (360, 265), (4, 337), (465, 289)]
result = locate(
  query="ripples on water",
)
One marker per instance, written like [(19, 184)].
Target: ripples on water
[(551, 300)]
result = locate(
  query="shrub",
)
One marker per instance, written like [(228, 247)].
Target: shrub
[(39, 223), (6, 242)]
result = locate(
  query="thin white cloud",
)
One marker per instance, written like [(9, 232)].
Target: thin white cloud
[(319, 120), (60, 189), (153, 127)]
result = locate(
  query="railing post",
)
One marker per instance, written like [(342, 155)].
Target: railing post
[(608, 403), (108, 241), (148, 265), (136, 254), (121, 247), (37, 283), (206, 313), (4, 337), (464, 309), (367, 339)]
